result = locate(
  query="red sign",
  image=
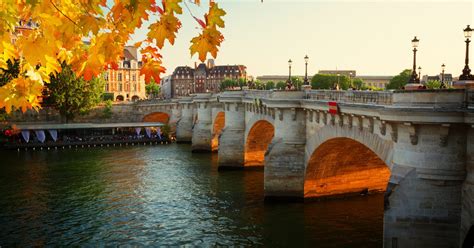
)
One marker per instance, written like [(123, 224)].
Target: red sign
[(333, 109)]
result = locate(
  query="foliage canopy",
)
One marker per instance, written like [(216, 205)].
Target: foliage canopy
[(90, 36), (73, 96)]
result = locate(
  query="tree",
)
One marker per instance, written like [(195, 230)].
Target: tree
[(228, 84), (297, 82), (327, 81), (269, 85), (280, 85), (399, 81), (73, 96), (433, 84), (53, 32), (242, 82), (358, 84), (152, 89)]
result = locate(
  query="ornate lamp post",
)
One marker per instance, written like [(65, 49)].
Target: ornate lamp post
[(419, 74), (414, 82), (466, 72), (289, 74), (443, 85), (306, 59), (414, 78)]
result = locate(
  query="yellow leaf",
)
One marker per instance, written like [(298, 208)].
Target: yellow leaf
[(172, 6), (214, 17)]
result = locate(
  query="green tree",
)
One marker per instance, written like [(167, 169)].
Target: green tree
[(281, 85), (269, 85), (399, 81), (152, 89), (107, 113), (73, 96), (358, 84), (297, 82), (228, 84), (12, 71), (241, 82), (433, 84), (327, 81)]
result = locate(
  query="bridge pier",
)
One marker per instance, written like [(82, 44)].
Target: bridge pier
[(284, 160), (424, 197), (202, 131), (232, 140), (467, 214), (184, 126)]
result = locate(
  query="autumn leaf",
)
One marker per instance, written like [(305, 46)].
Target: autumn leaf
[(165, 29), (171, 6), (89, 35), (214, 17), (207, 42), (152, 69)]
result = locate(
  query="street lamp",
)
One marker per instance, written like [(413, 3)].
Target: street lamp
[(414, 79), (442, 86), (306, 59), (466, 72), (289, 74), (419, 73)]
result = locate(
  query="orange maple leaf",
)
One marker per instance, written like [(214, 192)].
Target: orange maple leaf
[(165, 29), (152, 69), (207, 42)]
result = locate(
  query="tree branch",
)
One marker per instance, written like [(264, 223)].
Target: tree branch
[(56, 7)]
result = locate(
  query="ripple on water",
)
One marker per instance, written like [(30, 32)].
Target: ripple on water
[(162, 196)]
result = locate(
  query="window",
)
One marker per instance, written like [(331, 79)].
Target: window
[(120, 86), (106, 76), (106, 87), (120, 77), (134, 87), (134, 77)]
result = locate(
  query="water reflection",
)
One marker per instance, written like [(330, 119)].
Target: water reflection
[(167, 196)]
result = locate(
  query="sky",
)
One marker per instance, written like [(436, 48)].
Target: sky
[(371, 37)]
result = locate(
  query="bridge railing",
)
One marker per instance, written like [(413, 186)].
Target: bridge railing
[(365, 97), (470, 99), (258, 93)]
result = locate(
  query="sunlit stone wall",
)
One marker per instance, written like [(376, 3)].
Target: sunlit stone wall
[(344, 166), (258, 139), (218, 125)]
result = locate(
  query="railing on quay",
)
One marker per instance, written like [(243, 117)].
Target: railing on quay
[(352, 96)]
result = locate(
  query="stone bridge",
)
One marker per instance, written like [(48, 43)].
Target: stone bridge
[(416, 146)]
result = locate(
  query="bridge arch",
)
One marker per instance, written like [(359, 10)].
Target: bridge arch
[(344, 166), (219, 123), (256, 144), (157, 117)]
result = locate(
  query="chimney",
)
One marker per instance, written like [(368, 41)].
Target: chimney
[(210, 63)]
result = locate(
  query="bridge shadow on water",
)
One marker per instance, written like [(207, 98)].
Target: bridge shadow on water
[(352, 221)]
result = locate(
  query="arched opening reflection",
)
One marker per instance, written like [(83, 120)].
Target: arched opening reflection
[(219, 124), (344, 166), (258, 139), (157, 117)]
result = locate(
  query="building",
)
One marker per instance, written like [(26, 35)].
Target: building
[(376, 81), (348, 73), (126, 83), (204, 77), (448, 78), (166, 87)]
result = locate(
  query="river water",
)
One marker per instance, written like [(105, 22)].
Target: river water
[(164, 196)]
